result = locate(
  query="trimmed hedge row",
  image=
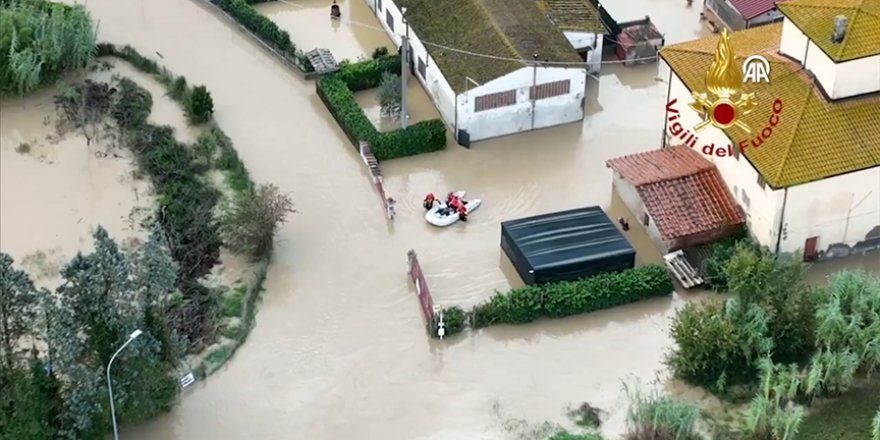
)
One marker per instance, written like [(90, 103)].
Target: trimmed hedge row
[(265, 29), (337, 93), (557, 300)]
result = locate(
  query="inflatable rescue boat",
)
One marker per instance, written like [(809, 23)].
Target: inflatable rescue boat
[(442, 215)]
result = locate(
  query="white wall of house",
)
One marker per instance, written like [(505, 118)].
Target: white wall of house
[(837, 210), (761, 205), (583, 40), (840, 209), (518, 117), (630, 196), (839, 80), (433, 81)]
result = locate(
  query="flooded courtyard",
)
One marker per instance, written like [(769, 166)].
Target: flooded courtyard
[(340, 350)]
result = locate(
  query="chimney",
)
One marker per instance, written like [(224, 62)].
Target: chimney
[(840, 23)]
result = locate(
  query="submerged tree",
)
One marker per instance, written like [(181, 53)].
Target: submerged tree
[(85, 107), (200, 105), (390, 95), (249, 223)]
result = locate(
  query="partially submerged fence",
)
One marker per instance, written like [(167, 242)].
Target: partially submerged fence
[(373, 165), (432, 314)]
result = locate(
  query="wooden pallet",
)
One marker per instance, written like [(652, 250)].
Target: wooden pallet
[(681, 268)]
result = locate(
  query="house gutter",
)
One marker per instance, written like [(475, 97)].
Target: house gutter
[(781, 221), (666, 113)]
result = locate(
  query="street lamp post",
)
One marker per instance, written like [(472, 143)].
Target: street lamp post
[(131, 337)]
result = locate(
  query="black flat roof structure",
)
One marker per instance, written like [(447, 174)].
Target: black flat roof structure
[(565, 246)]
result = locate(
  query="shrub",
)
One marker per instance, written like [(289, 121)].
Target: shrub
[(875, 427), (133, 106), (715, 267), (336, 92), (199, 106), (248, 224), (390, 95), (454, 320), (41, 39), (556, 300), (232, 304), (379, 52), (708, 350), (264, 28), (654, 416)]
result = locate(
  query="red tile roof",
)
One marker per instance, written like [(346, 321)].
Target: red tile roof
[(750, 9), (683, 192)]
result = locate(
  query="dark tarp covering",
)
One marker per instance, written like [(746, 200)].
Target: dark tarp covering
[(565, 246)]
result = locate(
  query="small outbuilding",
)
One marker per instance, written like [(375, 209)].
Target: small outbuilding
[(565, 246)]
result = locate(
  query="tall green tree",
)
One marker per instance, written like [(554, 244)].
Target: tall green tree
[(19, 307), (100, 303)]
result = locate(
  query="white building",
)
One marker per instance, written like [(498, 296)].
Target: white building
[(482, 98), (809, 175)]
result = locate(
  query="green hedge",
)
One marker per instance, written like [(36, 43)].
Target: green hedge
[(556, 300), (337, 93), (264, 28)]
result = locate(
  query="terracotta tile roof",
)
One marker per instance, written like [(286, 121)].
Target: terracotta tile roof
[(514, 29), (815, 18), (574, 15), (750, 9), (683, 192), (815, 138)]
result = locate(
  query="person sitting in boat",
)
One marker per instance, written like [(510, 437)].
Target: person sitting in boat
[(462, 212), (428, 203), (334, 10)]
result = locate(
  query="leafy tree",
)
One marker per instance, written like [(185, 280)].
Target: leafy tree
[(18, 310), (249, 223), (200, 106), (390, 94), (97, 307)]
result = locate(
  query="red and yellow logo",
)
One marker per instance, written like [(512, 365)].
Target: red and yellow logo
[(724, 102)]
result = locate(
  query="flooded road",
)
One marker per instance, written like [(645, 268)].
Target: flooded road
[(339, 350)]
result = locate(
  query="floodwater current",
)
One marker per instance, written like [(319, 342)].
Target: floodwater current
[(340, 350)]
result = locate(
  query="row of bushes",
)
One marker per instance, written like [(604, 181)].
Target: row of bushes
[(557, 300), (265, 29), (337, 92), (196, 101)]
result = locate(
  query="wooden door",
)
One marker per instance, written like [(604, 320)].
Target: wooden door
[(811, 249)]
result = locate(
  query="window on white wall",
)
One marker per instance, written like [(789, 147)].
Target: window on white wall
[(494, 100), (736, 152), (390, 20), (549, 90), (421, 68), (379, 7), (761, 181)]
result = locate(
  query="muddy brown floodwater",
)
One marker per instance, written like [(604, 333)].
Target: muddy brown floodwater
[(340, 350)]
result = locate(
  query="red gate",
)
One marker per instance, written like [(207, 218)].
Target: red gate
[(373, 164), (424, 294)]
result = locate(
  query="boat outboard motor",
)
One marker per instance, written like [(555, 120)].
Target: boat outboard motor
[(334, 10), (462, 213)]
